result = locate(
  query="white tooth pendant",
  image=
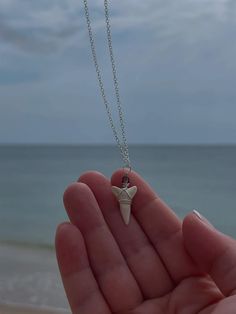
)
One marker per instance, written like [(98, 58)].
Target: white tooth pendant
[(124, 196)]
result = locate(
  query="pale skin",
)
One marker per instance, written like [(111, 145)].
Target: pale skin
[(155, 265)]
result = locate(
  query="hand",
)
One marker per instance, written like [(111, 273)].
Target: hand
[(155, 265)]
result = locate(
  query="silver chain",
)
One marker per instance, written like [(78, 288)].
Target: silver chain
[(122, 144)]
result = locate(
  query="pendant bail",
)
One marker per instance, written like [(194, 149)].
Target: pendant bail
[(125, 181)]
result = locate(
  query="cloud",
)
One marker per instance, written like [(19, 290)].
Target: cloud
[(36, 28), (24, 40), (43, 27)]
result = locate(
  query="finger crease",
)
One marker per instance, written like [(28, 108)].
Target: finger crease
[(114, 268)]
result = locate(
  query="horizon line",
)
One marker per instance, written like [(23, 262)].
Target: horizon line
[(113, 144)]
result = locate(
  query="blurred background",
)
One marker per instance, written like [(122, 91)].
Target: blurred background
[(177, 74)]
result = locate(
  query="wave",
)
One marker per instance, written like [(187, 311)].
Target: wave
[(29, 307), (29, 245)]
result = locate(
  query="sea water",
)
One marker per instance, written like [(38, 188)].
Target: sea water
[(33, 179)]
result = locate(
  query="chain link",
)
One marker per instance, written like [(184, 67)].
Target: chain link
[(121, 143)]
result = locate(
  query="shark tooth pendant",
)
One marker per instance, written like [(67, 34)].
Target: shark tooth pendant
[(124, 196)]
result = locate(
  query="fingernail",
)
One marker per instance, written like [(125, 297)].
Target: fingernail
[(202, 218)]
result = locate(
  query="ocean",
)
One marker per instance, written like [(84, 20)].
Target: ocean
[(32, 181)]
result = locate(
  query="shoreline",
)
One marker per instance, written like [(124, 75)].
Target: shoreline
[(24, 309), (30, 282)]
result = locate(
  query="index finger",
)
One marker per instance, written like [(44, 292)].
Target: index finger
[(161, 225)]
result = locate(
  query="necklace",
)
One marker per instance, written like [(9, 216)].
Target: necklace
[(124, 194)]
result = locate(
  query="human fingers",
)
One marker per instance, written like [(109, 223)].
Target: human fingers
[(108, 265), (161, 225), (81, 288), (213, 251), (141, 257)]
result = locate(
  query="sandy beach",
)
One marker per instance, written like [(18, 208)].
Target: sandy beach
[(30, 277), (8, 309)]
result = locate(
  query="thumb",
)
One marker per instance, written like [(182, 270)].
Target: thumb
[(212, 251)]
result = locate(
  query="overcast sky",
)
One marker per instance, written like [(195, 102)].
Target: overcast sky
[(176, 64)]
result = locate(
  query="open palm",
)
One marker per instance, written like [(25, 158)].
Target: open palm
[(154, 265)]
